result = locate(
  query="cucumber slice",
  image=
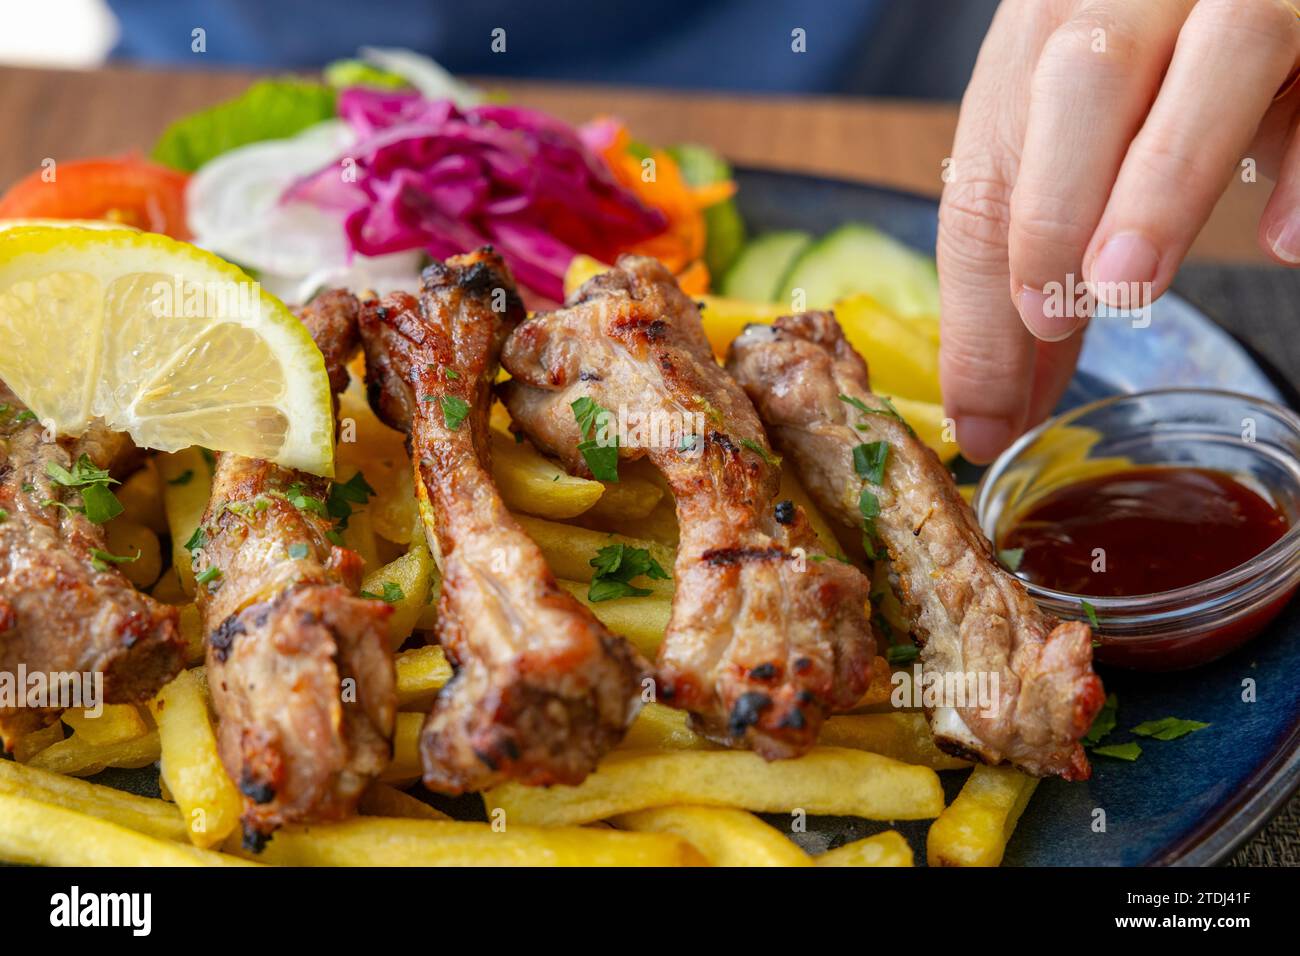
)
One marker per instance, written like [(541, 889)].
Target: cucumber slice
[(756, 274), (856, 258)]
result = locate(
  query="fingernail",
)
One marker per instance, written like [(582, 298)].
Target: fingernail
[(981, 437), (1046, 317), (1284, 239), (1124, 259)]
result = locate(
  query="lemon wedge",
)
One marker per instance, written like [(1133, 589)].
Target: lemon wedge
[(161, 340)]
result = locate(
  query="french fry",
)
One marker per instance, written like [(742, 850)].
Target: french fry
[(901, 736), (974, 830), (882, 849), (378, 841), (191, 625), (659, 526), (208, 799), (368, 445), (536, 485), (156, 818), (127, 539), (412, 573), (405, 765), (569, 550), (628, 499), (45, 835), (724, 319), (117, 724), (141, 496), (581, 268), (187, 484), (725, 837), (642, 620), (77, 758), (878, 693), (902, 360), (930, 423), (658, 727), (381, 800), (421, 673), (904, 737), (29, 745), (168, 588), (827, 780), (359, 536)]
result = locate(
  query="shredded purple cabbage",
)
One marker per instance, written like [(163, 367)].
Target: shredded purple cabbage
[(424, 174)]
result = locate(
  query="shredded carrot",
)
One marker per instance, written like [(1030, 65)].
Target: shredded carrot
[(658, 182), (694, 279)]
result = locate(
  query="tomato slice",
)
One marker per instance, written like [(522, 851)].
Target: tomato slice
[(125, 189)]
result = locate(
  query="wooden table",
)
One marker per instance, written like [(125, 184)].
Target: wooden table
[(67, 115)]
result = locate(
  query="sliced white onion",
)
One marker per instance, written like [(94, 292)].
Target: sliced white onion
[(422, 73), (233, 204)]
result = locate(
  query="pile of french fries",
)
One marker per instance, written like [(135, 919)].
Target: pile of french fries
[(665, 797)]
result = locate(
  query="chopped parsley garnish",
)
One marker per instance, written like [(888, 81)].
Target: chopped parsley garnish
[(451, 374), (345, 494), (901, 653), (869, 461), (585, 412), (454, 411), (392, 593), (1011, 558), (889, 411), (1128, 751), (25, 416), (28, 487), (616, 565), (1091, 613), (298, 550), (4, 515), (98, 503), (1168, 728), (184, 478), (100, 560), (868, 505), (208, 576), (197, 540), (297, 496), (760, 451), (602, 460), (1103, 723)]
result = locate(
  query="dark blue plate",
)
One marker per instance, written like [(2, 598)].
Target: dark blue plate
[(1189, 801)]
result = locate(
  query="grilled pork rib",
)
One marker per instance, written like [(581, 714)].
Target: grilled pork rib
[(764, 637), (542, 689), (61, 609), (969, 615), (299, 666)]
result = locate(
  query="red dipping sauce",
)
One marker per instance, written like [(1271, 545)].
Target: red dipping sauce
[(1142, 531), (1147, 531)]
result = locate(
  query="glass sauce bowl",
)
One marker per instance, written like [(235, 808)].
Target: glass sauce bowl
[(1255, 441)]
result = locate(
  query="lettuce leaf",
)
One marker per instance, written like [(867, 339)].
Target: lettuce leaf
[(269, 109)]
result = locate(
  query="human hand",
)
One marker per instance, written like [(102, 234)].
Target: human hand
[(1094, 140)]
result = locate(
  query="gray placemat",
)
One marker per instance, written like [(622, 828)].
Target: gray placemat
[(1261, 306)]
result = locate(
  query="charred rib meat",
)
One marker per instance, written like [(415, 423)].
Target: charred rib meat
[(766, 636), (969, 614), (542, 689)]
